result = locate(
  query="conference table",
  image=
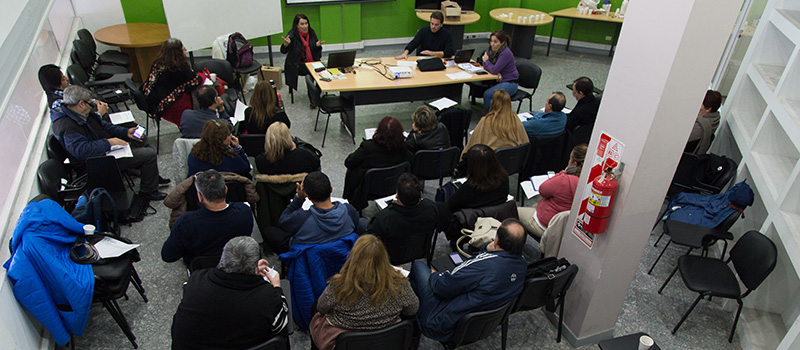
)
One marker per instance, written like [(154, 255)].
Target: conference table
[(366, 86), (141, 41), (455, 26), (518, 25), (573, 14)]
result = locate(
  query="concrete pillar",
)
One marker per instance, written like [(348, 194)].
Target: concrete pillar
[(666, 57)]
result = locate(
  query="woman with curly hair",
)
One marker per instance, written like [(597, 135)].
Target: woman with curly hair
[(170, 83), (218, 149), (387, 148), (263, 110), (282, 156), (367, 294)]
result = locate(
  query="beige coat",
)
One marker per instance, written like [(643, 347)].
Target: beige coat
[(483, 136)]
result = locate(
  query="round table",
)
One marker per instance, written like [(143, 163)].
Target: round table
[(519, 27), (456, 27), (141, 41)]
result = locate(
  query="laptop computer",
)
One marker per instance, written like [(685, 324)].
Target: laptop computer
[(341, 59), (463, 56)]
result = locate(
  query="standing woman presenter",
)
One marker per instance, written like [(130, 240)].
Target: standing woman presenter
[(300, 46)]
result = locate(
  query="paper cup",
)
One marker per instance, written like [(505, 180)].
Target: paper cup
[(88, 230), (645, 342), (213, 76)]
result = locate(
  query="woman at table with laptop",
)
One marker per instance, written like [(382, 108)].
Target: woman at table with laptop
[(300, 45), (499, 60)]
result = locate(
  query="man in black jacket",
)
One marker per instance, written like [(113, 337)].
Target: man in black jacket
[(231, 306), (211, 108), (432, 40), (585, 111)]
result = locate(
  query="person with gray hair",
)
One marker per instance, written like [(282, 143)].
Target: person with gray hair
[(236, 305), (205, 231), (83, 134)]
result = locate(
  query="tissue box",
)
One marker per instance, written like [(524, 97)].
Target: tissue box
[(271, 73)]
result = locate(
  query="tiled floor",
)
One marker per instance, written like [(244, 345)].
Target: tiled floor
[(644, 310)]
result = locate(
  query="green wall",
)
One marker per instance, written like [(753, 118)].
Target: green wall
[(390, 19)]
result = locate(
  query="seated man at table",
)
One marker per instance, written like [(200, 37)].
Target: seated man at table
[(432, 40), (79, 128), (489, 280), (409, 214), (205, 231), (211, 107), (549, 122), (585, 111), (231, 306)]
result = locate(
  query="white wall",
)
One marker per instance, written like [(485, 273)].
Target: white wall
[(97, 14)]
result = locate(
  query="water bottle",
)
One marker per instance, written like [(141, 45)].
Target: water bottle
[(277, 94)]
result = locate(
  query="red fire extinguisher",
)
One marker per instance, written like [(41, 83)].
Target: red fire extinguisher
[(601, 198)]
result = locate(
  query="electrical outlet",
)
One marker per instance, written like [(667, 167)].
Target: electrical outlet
[(608, 37)]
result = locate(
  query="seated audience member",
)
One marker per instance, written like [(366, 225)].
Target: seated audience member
[(263, 110), (557, 194), (499, 128), (433, 40), (367, 294), (282, 156), (550, 122), (385, 149), (218, 149), (426, 132), (211, 108), (487, 181), (84, 135), (409, 214), (706, 123), (170, 83), (203, 232), (585, 111), (489, 280), (324, 222), (53, 83), (231, 306)]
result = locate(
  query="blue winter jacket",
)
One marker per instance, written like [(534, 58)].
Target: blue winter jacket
[(310, 267), (53, 288), (709, 211)]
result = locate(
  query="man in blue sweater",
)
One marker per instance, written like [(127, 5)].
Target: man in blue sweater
[(489, 280), (550, 122)]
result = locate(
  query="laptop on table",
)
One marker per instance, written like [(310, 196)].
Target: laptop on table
[(463, 56), (341, 59)]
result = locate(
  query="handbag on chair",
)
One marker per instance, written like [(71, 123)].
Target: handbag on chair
[(485, 231)]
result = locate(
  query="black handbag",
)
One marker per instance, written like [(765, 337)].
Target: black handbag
[(430, 64)]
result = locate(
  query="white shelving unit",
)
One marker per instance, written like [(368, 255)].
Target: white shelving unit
[(762, 130)]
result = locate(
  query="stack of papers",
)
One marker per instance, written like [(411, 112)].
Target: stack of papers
[(531, 187), (336, 73), (459, 75), (469, 67), (121, 117), (442, 103), (120, 152), (112, 248), (317, 65), (524, 116)]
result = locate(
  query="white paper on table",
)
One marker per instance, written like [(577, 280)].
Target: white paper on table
[(524, 116), (459, 75), (402, 271), (238, 113), (384, 202), (402, 63), (369, 132), (538, 180), (121, 117), (120, 151), (527, 187), (307, 204), (443, 103), (317, 65), (112, 248)]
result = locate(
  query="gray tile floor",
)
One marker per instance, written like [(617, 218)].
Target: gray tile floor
[(644, 310)]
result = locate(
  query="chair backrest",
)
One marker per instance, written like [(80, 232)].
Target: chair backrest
[(395, 337), (276, 343), (513, 158), (222, 68), (204, 262), (413, 246), (479, 325), (754, 257), (104, 172), (86, 36), (136, 95), (582, 134), (49, 176), (55, 150), (381, 182), (457, 121), (253, 144), (85, 55), (236, 193), (77, 75), (707, 173), (537, 291), (429, 164), (726, 224), (548, 153), (314, 91), (529, 75)]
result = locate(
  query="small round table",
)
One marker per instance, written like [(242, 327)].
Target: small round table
[(141, 41), (519, 28), (456, 27)]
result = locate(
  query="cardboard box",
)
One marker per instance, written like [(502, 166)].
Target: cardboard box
[(451, 10), (271, 73)]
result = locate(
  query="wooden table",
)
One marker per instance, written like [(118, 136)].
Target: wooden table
[(141, 41), (519, 27), (366, 86), (572, 13), (456, 27)]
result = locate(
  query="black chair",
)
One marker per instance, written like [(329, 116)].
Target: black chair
[(697, 237), (479, 325), (529, 76), (253, 144), (141, 102), (395, 337), (107, 57), (224, 71), (435, 164), (111, 90), (754, 257), (55, 150), (236, 193), (204, 262), (83, 55), (513, 158), (581, 135), (381, 182), (277, 342), (236, 84), (104, 172), (416, 245), (548, 153), (300, 73), (541, 291), (54, 181), (327, 104), (457, 121)]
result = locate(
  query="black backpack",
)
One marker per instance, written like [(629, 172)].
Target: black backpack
[(92, 212), (240, 52)]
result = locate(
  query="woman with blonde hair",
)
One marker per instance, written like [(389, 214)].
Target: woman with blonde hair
[(281, 154), (263, 110), (218, 149), (367, 294), (499, 128)]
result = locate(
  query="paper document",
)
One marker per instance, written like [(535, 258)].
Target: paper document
[(459, 75), (524, 116), (238, 113), (120, 152), (412, 64), (384, 202), (317, 65), (443, 103), (510, 198), (460, 180), (469, 67), (112, 248), (370, 132), (538, 180), (566, 110), (527, 187), (402, 270), (307, 204), (121, 117)]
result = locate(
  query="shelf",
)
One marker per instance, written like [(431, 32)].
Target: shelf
[(756, 214), (793, 16), (771, 74), (748, 107), (775, 155), (792, 107), (772, 54)]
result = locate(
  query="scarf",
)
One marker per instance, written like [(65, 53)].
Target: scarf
[(493, 55), (307, 56)]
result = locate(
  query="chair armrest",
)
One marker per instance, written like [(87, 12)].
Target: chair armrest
[(116, 79)]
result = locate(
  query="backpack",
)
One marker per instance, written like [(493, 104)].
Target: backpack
[(240, 52), (91, 212)]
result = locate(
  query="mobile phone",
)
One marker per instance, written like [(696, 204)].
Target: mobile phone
[(139, 132), (456, 258)]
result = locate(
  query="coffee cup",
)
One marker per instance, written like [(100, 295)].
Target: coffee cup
[(213, 77), (88, 230), (645, 342)]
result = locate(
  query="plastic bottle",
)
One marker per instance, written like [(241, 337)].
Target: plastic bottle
[(623, 8)]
